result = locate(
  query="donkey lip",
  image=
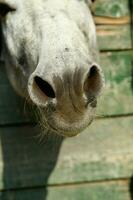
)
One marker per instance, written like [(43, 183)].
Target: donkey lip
[(69, 131)]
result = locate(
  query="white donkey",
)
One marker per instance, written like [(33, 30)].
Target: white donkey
[(50, 52)]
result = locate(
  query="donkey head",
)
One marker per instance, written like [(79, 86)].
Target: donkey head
[(50, 53)]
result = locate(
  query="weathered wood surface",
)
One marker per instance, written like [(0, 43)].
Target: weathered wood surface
[(117, 98), (99, 20), (118, 190), (114, 37), (104, 151), (114, 27), (111, 8)]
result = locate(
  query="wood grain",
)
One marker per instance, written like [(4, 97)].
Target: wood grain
[(118, 190), (99, 20), (102, 152), (111, 8), (117, 96), (114, 37)]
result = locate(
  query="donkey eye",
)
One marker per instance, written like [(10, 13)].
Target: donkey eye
[(5, 9)]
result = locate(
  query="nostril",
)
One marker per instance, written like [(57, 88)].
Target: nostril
[(93, 82), (93, 71), (45, 87)]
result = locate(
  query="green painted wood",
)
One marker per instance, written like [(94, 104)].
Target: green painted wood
[(111, 8), (114, 37), (118, 190), (12, 108), (117, 97), (102, 152)]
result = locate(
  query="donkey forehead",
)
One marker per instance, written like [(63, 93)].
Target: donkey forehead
[(24, 3), (51, 3), (76, 10), (45, 4)]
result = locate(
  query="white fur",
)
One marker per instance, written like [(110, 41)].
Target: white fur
[(55, 37)]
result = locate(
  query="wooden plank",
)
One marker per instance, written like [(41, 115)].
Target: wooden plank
[(99, 20), (104, 151), (116, 98), (114, 37), (118, 190), (111, 8), (108, 190)]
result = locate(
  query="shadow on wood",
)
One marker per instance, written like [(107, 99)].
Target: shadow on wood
[(131, 13), (131, 188), (131, 21), (22, 154)]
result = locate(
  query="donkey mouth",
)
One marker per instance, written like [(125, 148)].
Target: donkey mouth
[(68, 130)]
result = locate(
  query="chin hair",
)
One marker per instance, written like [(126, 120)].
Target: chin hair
[(47, 128)]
